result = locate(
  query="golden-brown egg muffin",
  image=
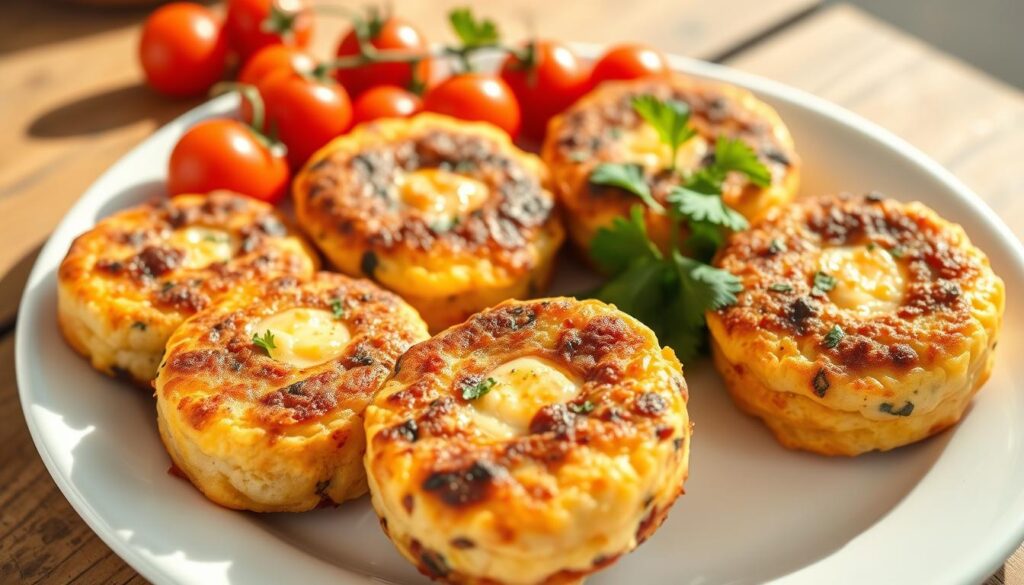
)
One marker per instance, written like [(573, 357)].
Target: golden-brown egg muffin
[(534, 443), (603, 127), (261, 395), (864, 323), (448, 214), (127, 283)]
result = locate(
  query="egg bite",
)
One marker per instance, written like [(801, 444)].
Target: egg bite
[(448, 214), (603, 127), (260, 398), (534, 443), (127, 283), (864, 324)]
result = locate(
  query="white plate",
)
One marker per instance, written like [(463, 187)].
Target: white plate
[(948, 510)]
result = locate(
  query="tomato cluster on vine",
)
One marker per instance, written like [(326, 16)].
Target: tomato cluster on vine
[(384, 66)]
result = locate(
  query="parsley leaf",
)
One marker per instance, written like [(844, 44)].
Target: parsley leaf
[(781, 287), (337, 308), (888, 407), (614, 247), (585, 407), (733, 154), (266, 342), (472, 32), (833, 337), (699, 207), (628, 177), (479, 389), (824, 282), (670, 118)]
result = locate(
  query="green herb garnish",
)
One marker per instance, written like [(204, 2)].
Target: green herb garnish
[(820, 383), (139, 325), (781, 287), (629, 178), (585, 407), (266, 342), (479, 389), (887, 407), (897, 252), (834, 336), (824, 282), (473, 33), (337, 308), (669, 118), (699, 207), (776, 246)]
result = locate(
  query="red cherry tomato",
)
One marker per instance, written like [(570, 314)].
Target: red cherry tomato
[(302, 112), (393, 34), (628, 62), (273, 58), (476, 96), (183, 49), (551, 79), (245, 24), (385, 101), (226, 154)]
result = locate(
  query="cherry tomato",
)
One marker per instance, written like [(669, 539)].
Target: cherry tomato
[(628, 61), (476, 96), (304, 113), (245, 24), (385, 101), (392, 34), (272, 58), (551, 79), (226, 154), (183, 49)]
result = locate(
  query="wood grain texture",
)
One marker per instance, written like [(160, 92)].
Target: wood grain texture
[(967, 121), (73, 100)]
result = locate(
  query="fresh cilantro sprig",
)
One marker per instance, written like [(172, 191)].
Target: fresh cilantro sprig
[(669, 118), (479, 389), (264, 342), (670, 293), (628, 177), (473, 34)]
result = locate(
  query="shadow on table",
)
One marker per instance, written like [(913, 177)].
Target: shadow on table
[(12, 283), (41, 22), (107, 110)]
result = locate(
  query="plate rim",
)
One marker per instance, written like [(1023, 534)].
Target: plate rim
[(1003, 542)]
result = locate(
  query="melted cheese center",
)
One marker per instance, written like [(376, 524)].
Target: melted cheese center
[(305, 337), (643, 146), (439, 194), (522, 387), (868, 281), (204, 246)]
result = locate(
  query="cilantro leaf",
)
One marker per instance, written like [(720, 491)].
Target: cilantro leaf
[(714, 288), (733, 154), (585, 407), (824, 282), (700, 207), (472, 32), (337, 308), (700, 288), (628, 177), (266, 342), (670, 118), (640, 289), (479, 389), (615, 246), (833, 337)]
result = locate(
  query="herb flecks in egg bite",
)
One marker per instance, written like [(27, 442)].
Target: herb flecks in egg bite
[(842, 346), (127, 283), (501, 447), (449, 214), (261, 397)]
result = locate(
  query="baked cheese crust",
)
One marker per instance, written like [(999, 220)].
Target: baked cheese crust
[(279, 427), (864, 324), (127, 283), (602, 127), (534, 443), (449, 214)]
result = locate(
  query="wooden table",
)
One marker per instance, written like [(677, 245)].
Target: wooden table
[(71, 104)]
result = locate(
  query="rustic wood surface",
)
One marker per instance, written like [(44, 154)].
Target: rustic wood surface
[(72, 103)]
